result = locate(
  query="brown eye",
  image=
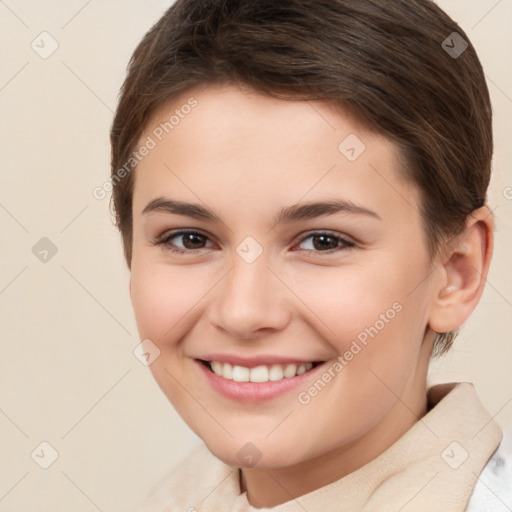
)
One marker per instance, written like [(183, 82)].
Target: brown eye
[(325, 242), (190, 241)]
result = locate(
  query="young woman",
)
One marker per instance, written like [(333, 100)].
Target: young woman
[(300, 187)]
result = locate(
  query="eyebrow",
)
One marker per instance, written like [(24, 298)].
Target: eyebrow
[(296, 212)]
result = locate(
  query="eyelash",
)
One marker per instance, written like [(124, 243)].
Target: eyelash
[(345, 243)]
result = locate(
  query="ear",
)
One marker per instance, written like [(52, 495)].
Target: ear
[(464, 267)]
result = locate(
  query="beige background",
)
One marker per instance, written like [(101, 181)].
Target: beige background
[(68, 375)]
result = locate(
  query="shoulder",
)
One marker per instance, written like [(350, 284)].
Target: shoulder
[(493, 490), (191, 482)]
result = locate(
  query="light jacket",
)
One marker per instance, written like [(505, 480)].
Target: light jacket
[(454, 459)]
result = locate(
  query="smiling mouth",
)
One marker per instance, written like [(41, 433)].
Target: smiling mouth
[(261, 373)]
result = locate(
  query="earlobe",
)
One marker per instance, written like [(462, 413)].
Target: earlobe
[(465, 269)]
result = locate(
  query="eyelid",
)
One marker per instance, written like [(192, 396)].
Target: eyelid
[(347, 240), (183, 231), (180, 231), (327, 232)]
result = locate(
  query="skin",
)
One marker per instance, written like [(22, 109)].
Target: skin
[(245, 156)]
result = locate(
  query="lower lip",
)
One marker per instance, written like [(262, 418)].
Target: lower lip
[(254, 392)]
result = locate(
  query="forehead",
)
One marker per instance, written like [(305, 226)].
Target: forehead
[(236, 143)]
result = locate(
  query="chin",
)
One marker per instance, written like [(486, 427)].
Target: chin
[(256, 454)]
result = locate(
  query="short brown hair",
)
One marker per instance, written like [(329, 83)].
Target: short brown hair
[(389, 62)]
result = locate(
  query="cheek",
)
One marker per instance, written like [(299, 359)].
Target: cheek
[(377, 333), (370, 316), (347, 301), (162, 297), (163, 300)]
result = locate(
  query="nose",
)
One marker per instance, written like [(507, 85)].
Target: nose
[(250, 301)]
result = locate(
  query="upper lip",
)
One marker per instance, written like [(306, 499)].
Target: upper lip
[(251, 362)]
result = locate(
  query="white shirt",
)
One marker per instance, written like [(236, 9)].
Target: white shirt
[(493, 490)]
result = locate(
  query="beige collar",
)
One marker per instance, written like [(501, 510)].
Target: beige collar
[(433, 466)]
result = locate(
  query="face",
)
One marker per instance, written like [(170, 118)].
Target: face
[(281, 270)]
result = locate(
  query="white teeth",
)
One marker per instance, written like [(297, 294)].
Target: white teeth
[(217, 367), (275, 373), (241, 374), (262, 373), (259, 374), (290, 370), (227, 371)]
